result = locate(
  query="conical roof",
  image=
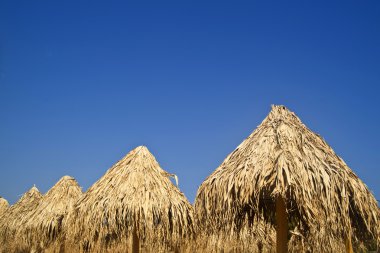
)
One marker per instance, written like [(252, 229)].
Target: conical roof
[(44, 225), (13, 219), (283, 157), (133, 192)]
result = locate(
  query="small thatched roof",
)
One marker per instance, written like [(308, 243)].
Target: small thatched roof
[(3, 205), (137, 194), (44, 226), (282, 157), (13, 219)]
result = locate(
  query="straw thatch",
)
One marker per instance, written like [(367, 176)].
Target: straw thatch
[(3, 205), (324, 198), (13, 219), (135, 196), (254, 235), (43, 228)]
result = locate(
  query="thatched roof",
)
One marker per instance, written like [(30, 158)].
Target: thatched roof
[(13, 219), (44, 226), (3, 205), (135, 192), (282, 157)]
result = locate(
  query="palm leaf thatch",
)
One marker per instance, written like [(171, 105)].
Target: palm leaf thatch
[(43, 228), (255, 235), (3, 205), (135, 197), (13, 219), (283, 159)]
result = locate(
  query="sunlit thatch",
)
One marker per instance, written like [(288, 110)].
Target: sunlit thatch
[(13, 219), (134, 195), (324, 198), (42, 230), (3, 205)]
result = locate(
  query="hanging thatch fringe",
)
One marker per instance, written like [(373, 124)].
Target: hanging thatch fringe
[(282, 157), (13, 219), (42, 230), (134, 194)]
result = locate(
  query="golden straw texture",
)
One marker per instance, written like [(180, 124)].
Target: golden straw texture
[(13, 219), (135, 192), (3, 205), (42, 230), (325, 200)]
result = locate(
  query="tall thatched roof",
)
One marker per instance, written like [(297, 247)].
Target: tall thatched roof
[(135, 192), (44, 226), (282, 157), (3, 205), (12, 219)]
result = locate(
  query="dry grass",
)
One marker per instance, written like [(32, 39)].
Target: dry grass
[(282, 157), (3, 205), (134, 193), (13, 219), (42, 229), (255, 235)]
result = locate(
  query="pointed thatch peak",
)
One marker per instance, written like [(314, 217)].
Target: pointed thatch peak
[(34, 189), (14, 218), (135, 191), (66, 178), (282, 157), (280, 112), (28, 201), (32, 196), (135, 156), (44, 224), (60, 197), (136, 160), (66, 189), (63, 183), (139, 168)]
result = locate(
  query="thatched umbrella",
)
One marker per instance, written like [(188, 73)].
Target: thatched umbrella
[(293, 178), (43, 228), (13, 219), (3, 205), (133, 205)]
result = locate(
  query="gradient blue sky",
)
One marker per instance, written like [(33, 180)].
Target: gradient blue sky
[(83, 83)]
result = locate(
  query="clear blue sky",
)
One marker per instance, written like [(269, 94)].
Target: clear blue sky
[(83, 83)]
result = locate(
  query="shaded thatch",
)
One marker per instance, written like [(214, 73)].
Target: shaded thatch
[(43, 228), (13, 219), (255, 235), (3, 205), (134, 195), (324, 198)]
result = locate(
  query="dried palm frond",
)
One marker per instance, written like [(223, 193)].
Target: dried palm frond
[(3, 205), (12, 220), (254, 235), (134, 195), (42, 229), (324, 198)]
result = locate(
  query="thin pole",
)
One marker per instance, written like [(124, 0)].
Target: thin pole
[(135, 241), (349, 244), (282, 226)]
